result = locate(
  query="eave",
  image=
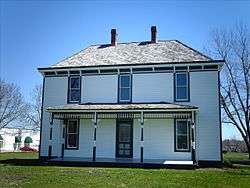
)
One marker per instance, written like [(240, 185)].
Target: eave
[(174, 65)]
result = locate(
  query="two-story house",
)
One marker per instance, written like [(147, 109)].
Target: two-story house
[(153, 102)]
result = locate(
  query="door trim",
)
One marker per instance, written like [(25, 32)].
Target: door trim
[(118, 121)]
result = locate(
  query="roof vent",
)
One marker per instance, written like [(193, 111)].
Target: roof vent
[(153, 34), (113, 37)]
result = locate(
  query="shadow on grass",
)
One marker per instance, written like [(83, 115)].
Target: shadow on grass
[(38, 162), (241, 162)]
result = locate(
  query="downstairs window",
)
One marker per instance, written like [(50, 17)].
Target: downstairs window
[(182, 135), (72, 134)]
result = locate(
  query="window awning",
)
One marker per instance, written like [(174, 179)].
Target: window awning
[(110, 111)]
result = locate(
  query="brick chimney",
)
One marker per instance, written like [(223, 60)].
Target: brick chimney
[(153, 34), (113, 37)]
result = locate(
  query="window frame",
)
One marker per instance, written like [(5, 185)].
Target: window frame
[(187, 86), (120, 89), (176, 149), (77, 135), (69, 89)]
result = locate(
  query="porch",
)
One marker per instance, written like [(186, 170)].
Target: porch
[(147, 134), (118, 162)]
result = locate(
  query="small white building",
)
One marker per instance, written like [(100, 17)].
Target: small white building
[(153, 102), (8, 138)]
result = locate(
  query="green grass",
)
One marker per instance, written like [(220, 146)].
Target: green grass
[(52, 176), (236, 156), (19, 155)]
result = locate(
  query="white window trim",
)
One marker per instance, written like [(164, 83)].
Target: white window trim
[(77, 130), (186, 86), (70, 89), (176, 136), (120, 88)]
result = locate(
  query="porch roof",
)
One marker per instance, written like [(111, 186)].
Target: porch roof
[(121, 107)]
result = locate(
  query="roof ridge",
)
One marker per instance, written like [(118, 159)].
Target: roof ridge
[(166, 40)]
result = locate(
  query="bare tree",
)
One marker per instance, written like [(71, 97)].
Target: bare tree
[(234, 47), (33, 116), (12, 105)]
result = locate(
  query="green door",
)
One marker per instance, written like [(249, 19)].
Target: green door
[(124, 139)]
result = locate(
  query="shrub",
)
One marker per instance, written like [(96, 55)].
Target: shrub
[(28, 140), (18, 139)]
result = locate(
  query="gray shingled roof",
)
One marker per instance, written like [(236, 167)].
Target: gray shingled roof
[(168, 51), (87, 107)]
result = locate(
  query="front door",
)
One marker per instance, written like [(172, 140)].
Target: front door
[(124, 139)]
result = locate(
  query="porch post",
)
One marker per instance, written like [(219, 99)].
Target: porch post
[(193, 136), (142, 137), (64, 123), (50, 136), (94, 139)]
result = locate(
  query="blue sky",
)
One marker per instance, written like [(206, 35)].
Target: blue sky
[(40, 33)]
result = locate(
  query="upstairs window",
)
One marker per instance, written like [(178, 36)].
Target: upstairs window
[(181, 135), (72, 134), (125, 88), (181, 86), (74, 91)]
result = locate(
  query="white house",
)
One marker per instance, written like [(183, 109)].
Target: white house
[(153, 102)]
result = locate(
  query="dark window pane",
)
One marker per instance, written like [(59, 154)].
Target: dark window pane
[(125, 94), (124, 133), (125, 81), (72, 140), (74, 82), (72, 127), (181, 79), (75, 95), (121, 152), (182, 142), (181, 127), (127, 152), (181, 93), (127, 146)]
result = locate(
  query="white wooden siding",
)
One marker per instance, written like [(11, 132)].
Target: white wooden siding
[(159, 141), (86, 131), (105, 139), (153, 87), (204, 94), (100, 89), (55, 93)]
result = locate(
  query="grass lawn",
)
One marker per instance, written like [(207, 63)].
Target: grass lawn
[(233, 156), (53, 176)]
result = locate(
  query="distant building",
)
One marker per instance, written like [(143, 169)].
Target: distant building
[(8, 135)]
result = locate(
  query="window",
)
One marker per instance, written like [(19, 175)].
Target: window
[(181, 135), (181, 87), (74, 91), (125, 88), (72, 134)]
